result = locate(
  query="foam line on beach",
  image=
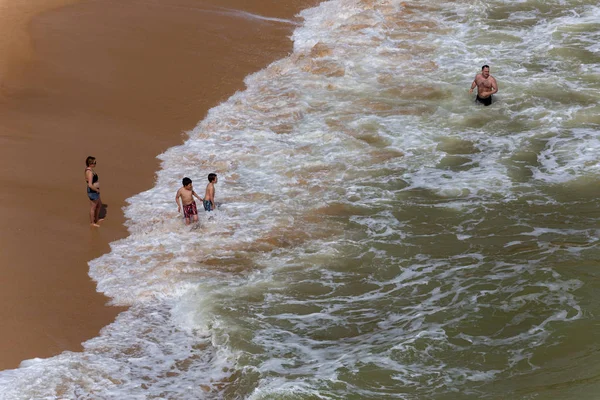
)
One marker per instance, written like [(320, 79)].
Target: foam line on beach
[(237, 13), (251, 16)]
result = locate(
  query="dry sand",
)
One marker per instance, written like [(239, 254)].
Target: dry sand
[(120, 80)]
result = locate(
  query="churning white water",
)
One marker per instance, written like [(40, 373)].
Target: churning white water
[(380, 235)]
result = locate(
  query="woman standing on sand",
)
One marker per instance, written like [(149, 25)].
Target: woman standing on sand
[(93, 191)]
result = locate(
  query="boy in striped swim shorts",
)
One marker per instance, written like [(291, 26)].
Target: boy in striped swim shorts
[(186, 193)]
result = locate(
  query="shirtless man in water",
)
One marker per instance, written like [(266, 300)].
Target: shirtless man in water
[(486, 86)]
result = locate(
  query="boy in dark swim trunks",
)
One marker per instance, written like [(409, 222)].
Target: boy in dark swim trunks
[(186, 193), (209, 196)]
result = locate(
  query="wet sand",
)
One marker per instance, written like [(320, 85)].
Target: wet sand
[(119, 80)]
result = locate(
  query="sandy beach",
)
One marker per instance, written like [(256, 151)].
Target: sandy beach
[(118, 80)]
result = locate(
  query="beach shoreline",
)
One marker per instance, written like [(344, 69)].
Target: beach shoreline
[(122, 82)]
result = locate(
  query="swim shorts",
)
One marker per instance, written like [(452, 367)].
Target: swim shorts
[(190, 210), (207, 205), (486, 102), (92, 194)]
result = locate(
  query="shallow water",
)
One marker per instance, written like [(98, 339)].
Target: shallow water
[(380, 235)]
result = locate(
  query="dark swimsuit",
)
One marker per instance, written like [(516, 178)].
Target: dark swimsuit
[(486, 102), (92, 194)]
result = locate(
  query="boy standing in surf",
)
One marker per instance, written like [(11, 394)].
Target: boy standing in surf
[(186, 193), (209, 195), (486, 86)]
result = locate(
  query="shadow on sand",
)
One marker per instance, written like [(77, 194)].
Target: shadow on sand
[(103, 211)]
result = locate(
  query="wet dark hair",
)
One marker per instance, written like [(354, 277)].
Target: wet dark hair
[(211, 177), (186, 181), (484, 67), (89, 161)]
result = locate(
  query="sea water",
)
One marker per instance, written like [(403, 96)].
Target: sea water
[(380, 235)]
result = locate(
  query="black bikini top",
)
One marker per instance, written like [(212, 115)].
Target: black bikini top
[(95, 177)]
